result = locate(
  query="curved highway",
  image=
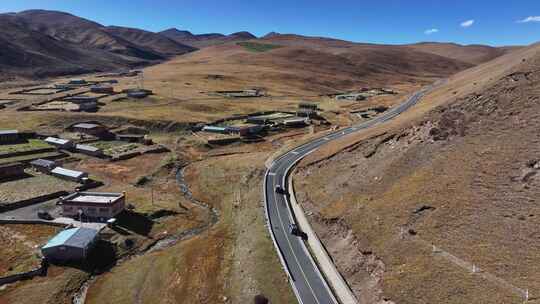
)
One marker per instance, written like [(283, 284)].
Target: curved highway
[(305, 277)]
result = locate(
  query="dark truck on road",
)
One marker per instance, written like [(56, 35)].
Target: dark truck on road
[(280, 190), (294, 230), (44, 215)]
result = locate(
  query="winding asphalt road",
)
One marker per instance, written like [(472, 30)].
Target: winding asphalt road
[(306, 279)]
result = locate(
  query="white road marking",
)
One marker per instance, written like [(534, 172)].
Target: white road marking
[(272, 173), (295, 152), (294, 254)]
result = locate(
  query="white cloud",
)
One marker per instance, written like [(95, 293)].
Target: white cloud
[(431, 31), (530, 19), (467, 23)]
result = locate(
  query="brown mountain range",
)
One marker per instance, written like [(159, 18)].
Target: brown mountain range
[(47, 43), (42, 43)]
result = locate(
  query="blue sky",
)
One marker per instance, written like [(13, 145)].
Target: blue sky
[(494, 22)]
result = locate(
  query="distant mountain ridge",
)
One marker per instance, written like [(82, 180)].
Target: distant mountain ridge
[(38, 43), (31, 53), (125, 41), (41, 43), (205, 40)]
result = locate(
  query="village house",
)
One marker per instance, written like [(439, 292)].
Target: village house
[(351, 97), (71, 175), (43, 165), (308, 105), (259, 120), (93, 205), (215, 129), (87, 106), (304, 112), (246, 130), (296, 122), (60, 143), (77, 81), (89, 150), (81, 99), (70, 245), (8, 137), (137, 93), (89, 129), (102, 89)]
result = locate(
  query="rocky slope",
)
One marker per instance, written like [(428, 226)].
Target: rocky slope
[(459, 172)]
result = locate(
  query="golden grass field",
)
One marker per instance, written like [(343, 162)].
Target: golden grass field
[(471, 194), (234, 259)]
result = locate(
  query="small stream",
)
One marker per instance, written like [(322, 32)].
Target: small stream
[(80, 296), (187, 234)]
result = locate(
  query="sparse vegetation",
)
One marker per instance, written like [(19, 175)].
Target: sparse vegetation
[(18, 247), (31, 144), (395, 180), (258, 47), (115, 147), (410, 184), (33, 186)]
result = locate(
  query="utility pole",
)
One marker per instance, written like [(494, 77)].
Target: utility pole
[(80, 217), (152, 191)]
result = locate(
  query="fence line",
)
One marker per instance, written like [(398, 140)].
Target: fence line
[(41, 271), (474, 269)]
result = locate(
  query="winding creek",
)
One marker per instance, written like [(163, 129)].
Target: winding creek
[(80, 296)]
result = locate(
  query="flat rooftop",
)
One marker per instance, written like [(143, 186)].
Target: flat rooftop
[(7, 132), (85, 125), (79, 97), (55, 140), (68, 172), (87, 148), (93, 197)]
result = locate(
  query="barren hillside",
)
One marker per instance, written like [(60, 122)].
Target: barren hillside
[(458, 172), (40, 43), (33, 54), (473, 54), (70, 28), (149, 40), (319, 69), (468, 54)]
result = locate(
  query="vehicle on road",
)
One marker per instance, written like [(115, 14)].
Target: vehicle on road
[(280, 190), (303, 270), (294, 230), (44, 215)]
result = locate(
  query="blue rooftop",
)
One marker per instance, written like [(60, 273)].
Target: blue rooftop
[(74, 237)]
